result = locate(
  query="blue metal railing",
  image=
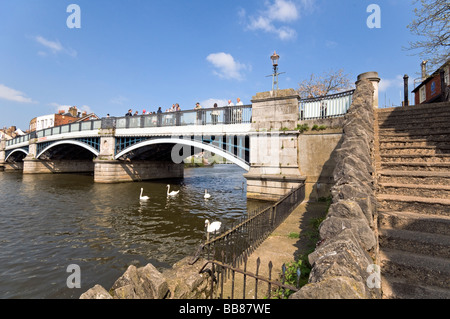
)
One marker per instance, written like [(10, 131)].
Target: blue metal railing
[(220, 115), (328, 106)]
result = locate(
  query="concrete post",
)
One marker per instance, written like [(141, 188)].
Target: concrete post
[(274, 167), (30, 162), (374, 78), (2, 154)]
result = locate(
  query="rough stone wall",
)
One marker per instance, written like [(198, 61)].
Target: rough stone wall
[(348, 241), (182, 281)]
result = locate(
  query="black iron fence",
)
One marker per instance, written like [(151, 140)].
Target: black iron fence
[(228, 281), (241, 239)]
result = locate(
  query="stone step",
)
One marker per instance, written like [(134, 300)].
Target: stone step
[(416, 139), (411, 123), (435, 191), (415, 149), (414, 177), (415, 158), (413, 144), (398, 288), (414, 204), (417, 166), (441, 129), (415, 269), (427, 133), (433, 224), (418, 242), (424, 110)]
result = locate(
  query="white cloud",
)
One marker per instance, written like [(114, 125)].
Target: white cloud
[(54, 47), (275, 17), (66, 107), (120, 100), (225, 65), (283, 10), (10, 94)]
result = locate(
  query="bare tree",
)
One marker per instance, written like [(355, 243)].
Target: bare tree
[(324, 84), (432, 25)]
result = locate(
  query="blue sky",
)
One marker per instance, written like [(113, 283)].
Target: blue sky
[(142, 54)]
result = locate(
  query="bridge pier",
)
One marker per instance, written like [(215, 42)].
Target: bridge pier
[(115, 171), (2, 154), (109, 170), (274, 168)]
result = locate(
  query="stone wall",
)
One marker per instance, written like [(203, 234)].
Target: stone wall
[(182, 281), (34, 166), (348, 240), (118, 171)]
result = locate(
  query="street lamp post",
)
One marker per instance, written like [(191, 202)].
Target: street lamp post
[(275, 57)]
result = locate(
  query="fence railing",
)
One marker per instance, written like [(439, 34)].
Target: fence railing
[(56, 130), (230, 246), (227, 281), (328, 106), (220, 115)]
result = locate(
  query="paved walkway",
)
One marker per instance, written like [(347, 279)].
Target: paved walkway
[(289, 241)]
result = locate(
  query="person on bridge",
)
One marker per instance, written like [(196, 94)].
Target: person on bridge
[(199, 113), (230, 103), (215, 114), (129, 113), (239, 102)]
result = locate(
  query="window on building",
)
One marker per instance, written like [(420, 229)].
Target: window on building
[(447, 75), (422, 94)]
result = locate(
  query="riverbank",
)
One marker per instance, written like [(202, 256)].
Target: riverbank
[(294, 238), (289, 243)]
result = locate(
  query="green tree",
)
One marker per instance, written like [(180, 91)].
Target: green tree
[(432, 26)]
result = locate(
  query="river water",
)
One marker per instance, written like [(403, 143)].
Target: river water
[(48, 222)]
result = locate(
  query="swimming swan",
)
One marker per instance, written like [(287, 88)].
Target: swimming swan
[(143, 197), (173, 193), (210, 228), (206, 194)]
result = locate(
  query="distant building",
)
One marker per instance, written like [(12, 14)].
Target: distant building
[(433, 88), (10, 133), (61, 118)]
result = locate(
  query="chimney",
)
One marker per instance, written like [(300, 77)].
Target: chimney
[(73, 111), (424, 69)]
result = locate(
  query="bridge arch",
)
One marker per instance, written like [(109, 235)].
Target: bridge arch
[(16, 151), (72, 142), (207, 147)]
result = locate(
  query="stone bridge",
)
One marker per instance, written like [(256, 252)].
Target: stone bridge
[(262, 138)]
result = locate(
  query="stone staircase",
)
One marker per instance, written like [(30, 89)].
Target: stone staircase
[(413, 193)]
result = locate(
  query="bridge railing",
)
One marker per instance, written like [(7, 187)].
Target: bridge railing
[(62, 129), (220, 115), (328, 106)]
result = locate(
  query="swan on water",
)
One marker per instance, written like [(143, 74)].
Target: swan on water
[(206, 194), (173, 193), (144, 198), (211, 228)]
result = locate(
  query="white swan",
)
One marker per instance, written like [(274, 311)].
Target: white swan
[(173, 193), (206, 194), (143, 198), (211, 228)]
